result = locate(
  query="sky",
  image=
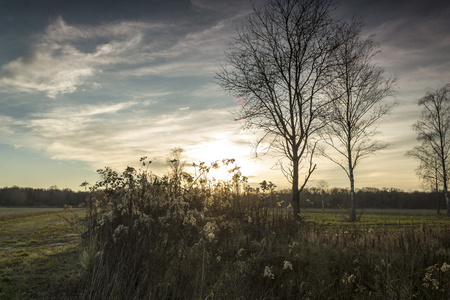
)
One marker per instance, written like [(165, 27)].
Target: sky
[(89, 84)]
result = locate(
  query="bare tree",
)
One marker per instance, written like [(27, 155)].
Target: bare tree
[(279, 66), (360, 88), (433, 130), (429, 170)]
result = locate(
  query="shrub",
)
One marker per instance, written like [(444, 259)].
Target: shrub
[(160, 238)]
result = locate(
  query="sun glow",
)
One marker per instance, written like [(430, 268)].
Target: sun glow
[(221, 173), (217, 151)]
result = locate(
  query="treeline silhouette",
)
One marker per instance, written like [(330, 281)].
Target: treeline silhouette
[(18, 196), (368, 197)]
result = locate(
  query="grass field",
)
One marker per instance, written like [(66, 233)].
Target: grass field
[(41, 250), (21, 212), (377, 217)]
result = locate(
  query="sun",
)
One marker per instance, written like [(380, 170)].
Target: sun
[(221, 173), (216, 151)]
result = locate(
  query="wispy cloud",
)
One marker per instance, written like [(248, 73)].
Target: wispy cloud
[(66, 56), (118, 134)]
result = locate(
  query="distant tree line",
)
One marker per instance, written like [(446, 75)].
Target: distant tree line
[(368, 197), (385, 198), (18, 196)]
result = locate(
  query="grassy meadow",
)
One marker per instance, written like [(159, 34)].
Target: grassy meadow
[(189, 238), (39, 251)]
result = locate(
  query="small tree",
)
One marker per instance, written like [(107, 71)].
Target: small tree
[(322, 185), (433, 131), (85, 185), (279, 66), (359, 89)]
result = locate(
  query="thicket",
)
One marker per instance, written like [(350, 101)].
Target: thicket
[(185, 237)]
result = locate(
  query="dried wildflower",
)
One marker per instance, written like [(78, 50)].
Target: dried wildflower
[(210, 236), (118, 231), (268, 272), (240, 252), (209, 231), (292, 247), (287, 265), (445, 267), (351, 279), (431, 268)]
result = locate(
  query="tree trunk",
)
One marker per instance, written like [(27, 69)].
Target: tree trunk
[(444, 178), (352, 197), (352, 180), (447, 200), (436, 188), (295, 191)]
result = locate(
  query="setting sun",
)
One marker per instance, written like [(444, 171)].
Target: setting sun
[(220, 173), (217, 151)]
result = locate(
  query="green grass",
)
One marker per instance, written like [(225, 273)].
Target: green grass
[(376, 217), (39, 250), (7, 213)]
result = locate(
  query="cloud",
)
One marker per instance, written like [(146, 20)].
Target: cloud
[(118, 134), (230, 8), (66, 56), (44, 70)]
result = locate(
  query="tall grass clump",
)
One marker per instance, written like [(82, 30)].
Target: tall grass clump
[(184, 236)]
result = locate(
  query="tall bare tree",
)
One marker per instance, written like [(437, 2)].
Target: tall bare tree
[(279, 66), (433, 130), (359, 88)]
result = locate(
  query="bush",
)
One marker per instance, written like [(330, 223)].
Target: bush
[(160, 238)]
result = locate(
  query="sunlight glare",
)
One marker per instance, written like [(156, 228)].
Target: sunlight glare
[(220, 173), (210, 152)]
